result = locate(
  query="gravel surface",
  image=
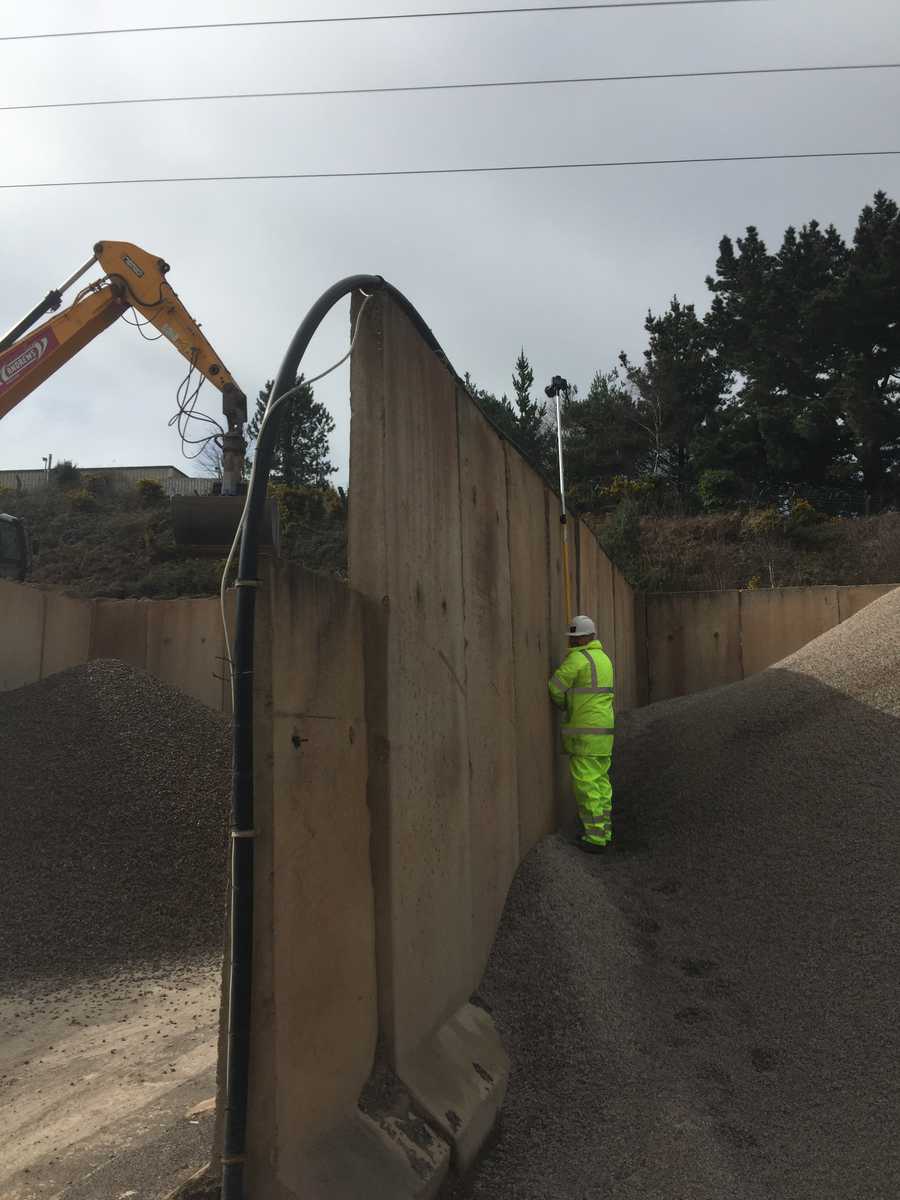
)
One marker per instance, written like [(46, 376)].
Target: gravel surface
[(711, 1011), (113, 801)]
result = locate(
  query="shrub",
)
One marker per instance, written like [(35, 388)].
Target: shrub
[(149, 492), (620, 537), (66, 474), (801, 515), (81, 500), (762, 522), (718, 489)]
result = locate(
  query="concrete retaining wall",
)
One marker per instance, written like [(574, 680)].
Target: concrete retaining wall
[(456, 542), (698, 640), (178, 641)]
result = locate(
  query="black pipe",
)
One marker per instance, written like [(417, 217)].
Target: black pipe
[(241, 903), (241, 907)]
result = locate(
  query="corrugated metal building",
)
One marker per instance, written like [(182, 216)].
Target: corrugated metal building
[(173, 481)]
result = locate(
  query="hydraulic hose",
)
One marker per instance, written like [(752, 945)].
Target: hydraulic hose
[(242, 831)]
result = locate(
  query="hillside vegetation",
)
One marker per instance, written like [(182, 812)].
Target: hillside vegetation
[(93, 542), (759, 548)]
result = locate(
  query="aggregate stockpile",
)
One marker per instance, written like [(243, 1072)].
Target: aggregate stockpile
[(113, 803), (712, 1012)]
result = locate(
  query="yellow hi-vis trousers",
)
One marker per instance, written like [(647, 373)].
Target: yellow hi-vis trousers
[(593, 795)]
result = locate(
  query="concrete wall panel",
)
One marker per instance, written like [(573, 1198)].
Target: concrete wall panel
[(776, 623), (625, 656), (534, 649), (120, 631), (318, 1008), (67, 632), (185, 647), (490, 675), (413, 404), (559, 644), (22, 628), (693, 642), (852, 599), (596, 582)]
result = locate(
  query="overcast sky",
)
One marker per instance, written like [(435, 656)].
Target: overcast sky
[(566, 265)]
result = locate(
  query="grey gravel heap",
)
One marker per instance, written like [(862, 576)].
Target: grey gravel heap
[(711, 1012), (113, 802)]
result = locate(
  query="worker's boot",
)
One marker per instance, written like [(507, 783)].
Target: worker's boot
[(590, 847)]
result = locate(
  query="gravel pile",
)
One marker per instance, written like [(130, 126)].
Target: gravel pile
[(711, 1012), (113, 801)]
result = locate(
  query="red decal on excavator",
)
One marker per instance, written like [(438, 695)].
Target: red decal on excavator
[(25, 355)]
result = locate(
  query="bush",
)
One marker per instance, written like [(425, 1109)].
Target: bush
[(802, 515), (718, 489), (149, 492), (81, 500), (762, 522), (66, 474), (620, 537)]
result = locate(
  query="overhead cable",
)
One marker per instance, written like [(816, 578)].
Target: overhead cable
[(452, 87), (412, 16), (405, 172)]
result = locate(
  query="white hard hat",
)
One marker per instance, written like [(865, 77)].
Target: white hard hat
[(581, 626)]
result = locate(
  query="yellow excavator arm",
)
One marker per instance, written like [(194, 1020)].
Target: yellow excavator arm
[(132, 278)]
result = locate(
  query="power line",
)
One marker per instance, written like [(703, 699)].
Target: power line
[(451, 87), (414, 16), (565, 166)]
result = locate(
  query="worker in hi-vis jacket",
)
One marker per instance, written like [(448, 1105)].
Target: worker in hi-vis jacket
[(583, 688)]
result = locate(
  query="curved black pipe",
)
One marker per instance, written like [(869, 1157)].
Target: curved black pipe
[(241, 904)]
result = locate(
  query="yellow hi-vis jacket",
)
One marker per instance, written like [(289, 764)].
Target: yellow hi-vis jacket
[(583, 686)]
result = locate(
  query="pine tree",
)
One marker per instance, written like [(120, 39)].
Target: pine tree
[(535, 435), (602, 438), (865, 309), (677, 388), (300, 458)]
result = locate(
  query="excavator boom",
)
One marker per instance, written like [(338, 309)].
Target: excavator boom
[(132, 278)]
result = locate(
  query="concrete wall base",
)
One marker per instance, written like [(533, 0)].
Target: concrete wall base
[(376, 1154), (457, 1079)]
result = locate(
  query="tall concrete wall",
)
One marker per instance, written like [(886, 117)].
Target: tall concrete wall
[(457, 542), (315, 1016), (698, 640), (178, 641)]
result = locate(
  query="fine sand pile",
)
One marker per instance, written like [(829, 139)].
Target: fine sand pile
[(711, 1012), (113, 800)]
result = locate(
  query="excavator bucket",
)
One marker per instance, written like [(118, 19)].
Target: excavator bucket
[(206, 525)]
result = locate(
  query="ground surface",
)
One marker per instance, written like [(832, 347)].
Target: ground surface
[(105, 1085), (113, 799), (711, 1011)]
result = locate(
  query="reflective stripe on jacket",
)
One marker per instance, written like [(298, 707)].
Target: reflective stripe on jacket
[(583, 687)]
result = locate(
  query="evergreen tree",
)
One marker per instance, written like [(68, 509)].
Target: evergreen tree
[(602, 438), (300, 458), (864, 310), (500, 411), (766, 322), (524, 421), (535, 434), (677, 388)]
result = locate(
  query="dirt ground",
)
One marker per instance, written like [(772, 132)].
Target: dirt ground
[(106, 1086), (113, 798)]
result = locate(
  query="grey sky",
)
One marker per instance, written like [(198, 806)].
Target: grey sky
[(566, 265)]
